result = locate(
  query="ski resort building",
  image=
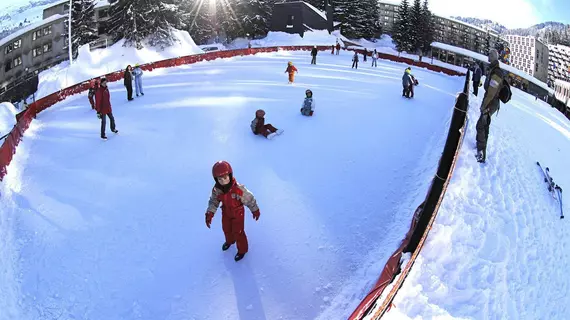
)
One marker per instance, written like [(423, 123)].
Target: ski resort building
[(447, 30), (530, 55), (39, 46), (558, 63), (296, 17)]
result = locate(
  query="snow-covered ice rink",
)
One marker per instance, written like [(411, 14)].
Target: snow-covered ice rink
[(115, 229)]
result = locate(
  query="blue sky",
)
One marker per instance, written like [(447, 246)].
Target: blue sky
[(510, 13)]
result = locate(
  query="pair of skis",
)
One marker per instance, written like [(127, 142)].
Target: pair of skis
[(553, 188)]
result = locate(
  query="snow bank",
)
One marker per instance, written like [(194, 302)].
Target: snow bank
[(7, 118), (91, 64)]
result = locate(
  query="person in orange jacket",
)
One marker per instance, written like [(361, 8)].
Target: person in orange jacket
[(233, 197), (291, 70)]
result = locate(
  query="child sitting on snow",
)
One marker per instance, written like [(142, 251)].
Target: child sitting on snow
[(291, 70), (258, 126), (308, 104)]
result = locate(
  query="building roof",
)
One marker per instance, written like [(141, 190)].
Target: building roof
[(319, 12), (29, 28), (480, 57)]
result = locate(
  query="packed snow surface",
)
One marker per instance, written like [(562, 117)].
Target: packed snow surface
[(498, 248), (115, 229), (90, 64)]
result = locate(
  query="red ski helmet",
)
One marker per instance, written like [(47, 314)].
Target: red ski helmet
[(221, 168), (260, 113)]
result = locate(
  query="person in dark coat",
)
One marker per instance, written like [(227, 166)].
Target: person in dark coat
[(103, 107), (477, 73), (128, 80), (355, 60), (365, 54), (408, 83), (314, 52)]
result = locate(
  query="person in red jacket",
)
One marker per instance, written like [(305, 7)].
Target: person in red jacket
[(233, 197), (258, 126), (103, 107)]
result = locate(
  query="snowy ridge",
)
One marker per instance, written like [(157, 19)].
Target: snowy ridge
[(7, 118), (498, 247)]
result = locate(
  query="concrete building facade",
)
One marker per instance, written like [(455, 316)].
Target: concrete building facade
[(530, 55), (447, 30), (42, 45), (558, 63)]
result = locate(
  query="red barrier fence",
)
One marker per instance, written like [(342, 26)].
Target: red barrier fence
[(8, 148)]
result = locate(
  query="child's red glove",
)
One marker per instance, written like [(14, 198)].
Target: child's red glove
[(209, 217), (256, 215)]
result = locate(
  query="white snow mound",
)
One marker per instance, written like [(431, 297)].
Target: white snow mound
[(95, 63), (7, 118)]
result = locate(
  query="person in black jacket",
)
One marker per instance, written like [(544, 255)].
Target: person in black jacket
[(314, 52), (128, 78), (477, 73)]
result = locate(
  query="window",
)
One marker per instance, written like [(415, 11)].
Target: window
[(37, 51), (47, 30), (105, 13), (47, 47), (17, 61)]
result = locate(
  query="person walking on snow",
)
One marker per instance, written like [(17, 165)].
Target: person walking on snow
[(234, 197), (490, 105), (291, 70), (374, 58), (337, 48), (314, 52), (103, 107), (91, 94), (364, 55), (332, 49), (258, 126), (308, 104), (355, 60), (407, 84), (477, 73), (128, 81), (137, 72)]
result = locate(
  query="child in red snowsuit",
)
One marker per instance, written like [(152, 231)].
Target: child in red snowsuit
[(291, 70), (258, 126), (233, 197)]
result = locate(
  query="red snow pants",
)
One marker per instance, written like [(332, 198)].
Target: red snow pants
[(267, 129), (235, 232)]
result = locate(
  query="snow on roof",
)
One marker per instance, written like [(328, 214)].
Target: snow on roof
[(481, 57), (319, 12), (101, 3), (29, 28), (392, 2)]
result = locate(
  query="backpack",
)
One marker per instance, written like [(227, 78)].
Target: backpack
[(505, 92)]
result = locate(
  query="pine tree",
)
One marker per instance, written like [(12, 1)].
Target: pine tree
[(428, 29), (200, 21), (254, 16), (402, 28), (416, 26), (135, 20), (83, 25)]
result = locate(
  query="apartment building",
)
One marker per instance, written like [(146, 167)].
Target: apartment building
[(447, 30), (42, 45), (530, 55), (558, 63)]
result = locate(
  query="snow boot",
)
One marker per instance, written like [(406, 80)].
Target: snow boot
[(115, 131), (104, 137), (226, 246), (481, 155), (271, 135), (239, 256)]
